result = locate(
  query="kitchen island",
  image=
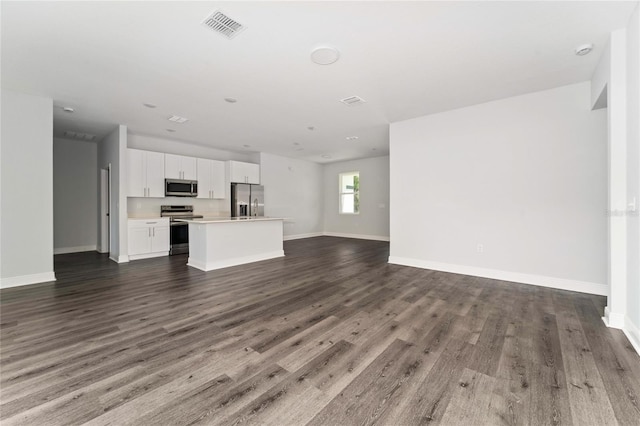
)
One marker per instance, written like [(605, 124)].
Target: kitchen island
[(216, 243)]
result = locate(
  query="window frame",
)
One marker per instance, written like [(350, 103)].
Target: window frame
[(355, 193)]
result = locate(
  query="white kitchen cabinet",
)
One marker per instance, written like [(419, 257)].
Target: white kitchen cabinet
[(180, 167), (145, 173), (241, 172), (211, 182), (148, 238)]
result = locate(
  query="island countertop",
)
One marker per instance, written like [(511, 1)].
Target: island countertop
[(230, 219)]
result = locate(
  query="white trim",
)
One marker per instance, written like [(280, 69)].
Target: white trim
[(301, 236), (358, 236), (21, 280), (633, 334), (613, 319), (78, 249), (210, 266), (496, 274), (120, 259), (148, 255)]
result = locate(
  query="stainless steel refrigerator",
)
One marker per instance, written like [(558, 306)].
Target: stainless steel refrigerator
[(247, 200)]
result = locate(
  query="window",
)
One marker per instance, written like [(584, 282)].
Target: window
[(349, 193)]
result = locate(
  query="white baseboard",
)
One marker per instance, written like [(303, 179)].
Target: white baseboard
[(358, 236), (210, 266), (301, 236), (78, 249), (147, 255), (633, 334), (120, 259), (27, 279), (613, 319), (496, 274)]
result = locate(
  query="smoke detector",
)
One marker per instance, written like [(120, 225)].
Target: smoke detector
[(353, 100), (222, 24), (584, 49), (325, 55)]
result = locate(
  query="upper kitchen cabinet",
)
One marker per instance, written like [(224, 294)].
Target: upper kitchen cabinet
[(146, 173), (211, 182), (240, 172), (180, 167)]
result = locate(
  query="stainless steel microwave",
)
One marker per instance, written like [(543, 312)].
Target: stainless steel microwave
[(180, 188)]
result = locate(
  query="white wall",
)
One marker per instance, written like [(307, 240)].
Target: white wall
[(632, 325), (75, 195), (294, 190), (112, 151), (26, 242), (524, 177), (373, 220)]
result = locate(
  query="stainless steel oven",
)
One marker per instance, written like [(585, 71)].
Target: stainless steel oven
[(179, 235)]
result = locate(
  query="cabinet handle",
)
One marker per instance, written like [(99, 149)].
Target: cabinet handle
[(149, 232), (154, 232)]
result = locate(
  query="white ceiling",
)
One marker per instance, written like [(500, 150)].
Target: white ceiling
[(406, 59)]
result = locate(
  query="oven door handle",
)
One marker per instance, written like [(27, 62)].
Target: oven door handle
[(178, 223)]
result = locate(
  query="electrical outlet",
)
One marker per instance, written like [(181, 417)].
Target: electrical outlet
[(480, 248)]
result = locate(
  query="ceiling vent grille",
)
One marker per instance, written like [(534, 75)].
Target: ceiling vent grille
[(177, 119), (353, 100), (79, 136), (222, 24)]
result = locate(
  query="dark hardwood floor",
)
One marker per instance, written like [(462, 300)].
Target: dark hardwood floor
[(328, 335)]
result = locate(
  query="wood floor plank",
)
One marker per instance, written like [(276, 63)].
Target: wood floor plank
[(330, 334), (584, 383)]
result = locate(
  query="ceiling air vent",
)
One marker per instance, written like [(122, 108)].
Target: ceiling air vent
[(353, 100), (222, 24), (79, 136)]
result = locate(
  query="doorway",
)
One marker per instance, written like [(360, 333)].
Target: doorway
[(105, 216)]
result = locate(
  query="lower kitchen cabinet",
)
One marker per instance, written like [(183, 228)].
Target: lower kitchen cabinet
[(148, 238)]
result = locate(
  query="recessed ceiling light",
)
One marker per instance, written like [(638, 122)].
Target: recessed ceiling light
[(325, 55), (68, 109), (246, 146), (352, 138), (296, 143), (231, 100), (325, 156), (584, 49), (177, 119), (311, 128), (150, 105), (170, 130)]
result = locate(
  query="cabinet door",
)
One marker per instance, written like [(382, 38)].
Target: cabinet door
[(136, 171), (241, 172), (189, 168), (253, 173), (204, 178), (236, 172), (172, 169), (155, 174), (159, 239), (218, 184), (139, 240)]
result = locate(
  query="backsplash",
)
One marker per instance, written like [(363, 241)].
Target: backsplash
[(145, 207)]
